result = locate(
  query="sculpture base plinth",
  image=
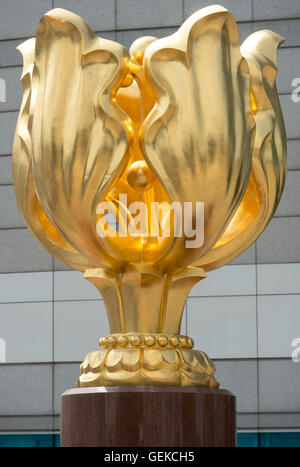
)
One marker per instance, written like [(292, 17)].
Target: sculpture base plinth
[(151, 416)]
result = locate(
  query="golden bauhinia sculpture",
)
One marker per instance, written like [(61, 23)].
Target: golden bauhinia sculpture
[(145, 169)]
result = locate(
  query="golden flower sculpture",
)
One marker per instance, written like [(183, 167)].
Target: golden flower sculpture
[(191, 121)]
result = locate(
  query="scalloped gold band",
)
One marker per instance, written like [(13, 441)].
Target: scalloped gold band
[(146, 340), (147, 367)]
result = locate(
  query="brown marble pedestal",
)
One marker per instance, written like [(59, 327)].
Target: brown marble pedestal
[(156, 416)]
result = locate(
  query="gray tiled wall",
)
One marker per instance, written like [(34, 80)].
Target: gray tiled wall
[(244, 315)]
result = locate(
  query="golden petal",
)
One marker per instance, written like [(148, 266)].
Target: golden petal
[(198, 136), (113, 358), (90, 379), (188, 357), (96, 359), (28, 204), (131, 358), (269, 154), (80, 137), (122, 377), (155, 359), (194, 378), (152, 358), (170, 357), (162, 376)]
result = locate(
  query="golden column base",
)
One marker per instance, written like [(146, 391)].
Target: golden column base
[(144, 308), (147, 360)]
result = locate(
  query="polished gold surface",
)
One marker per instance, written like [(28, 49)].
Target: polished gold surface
[(190, 118), (144, 366)]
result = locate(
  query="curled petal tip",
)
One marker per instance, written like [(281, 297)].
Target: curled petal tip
[(60, 21), (59, 18), (209, 10), (277, 38), (27, 49), (62, 14), (265, 42)]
